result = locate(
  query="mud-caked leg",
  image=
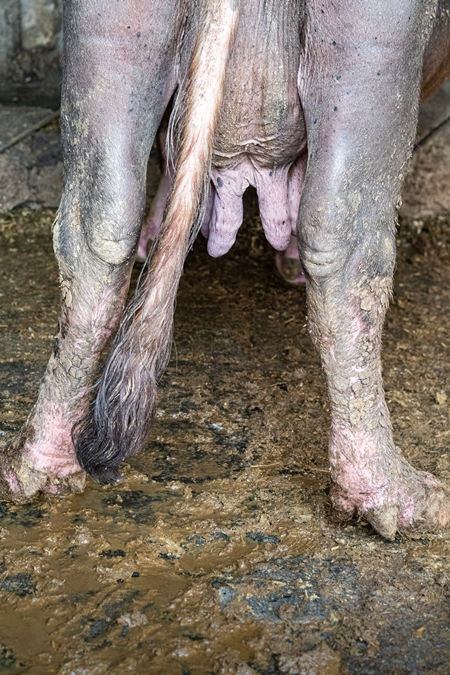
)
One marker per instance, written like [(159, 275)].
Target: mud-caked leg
[(360, 107), (119, 69)]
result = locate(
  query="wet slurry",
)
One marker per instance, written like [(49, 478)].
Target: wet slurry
[(219, 552)]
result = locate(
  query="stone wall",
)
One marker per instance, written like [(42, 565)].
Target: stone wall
[(30, 40)]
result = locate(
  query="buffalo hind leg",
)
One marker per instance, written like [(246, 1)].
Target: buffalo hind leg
[(109, 119), (360, 110)]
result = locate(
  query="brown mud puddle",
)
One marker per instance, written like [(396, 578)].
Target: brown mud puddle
[(219, 553)]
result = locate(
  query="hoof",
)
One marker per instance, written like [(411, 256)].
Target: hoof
[(21, 482), (417, 502)]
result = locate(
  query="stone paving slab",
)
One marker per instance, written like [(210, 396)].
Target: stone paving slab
[(30, 169), (20, 121), (434, 112)]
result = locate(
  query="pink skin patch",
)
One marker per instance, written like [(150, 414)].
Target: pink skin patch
[(371, 477), (353, 462), (153, 222), (406, 517), (52, 452), (12, 481)]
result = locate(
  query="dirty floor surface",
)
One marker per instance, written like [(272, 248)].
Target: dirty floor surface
[(219, 553)]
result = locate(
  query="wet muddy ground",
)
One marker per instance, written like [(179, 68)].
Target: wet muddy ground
[(219, 552)]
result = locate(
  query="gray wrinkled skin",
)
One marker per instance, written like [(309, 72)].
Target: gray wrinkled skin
[(319, 99)]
